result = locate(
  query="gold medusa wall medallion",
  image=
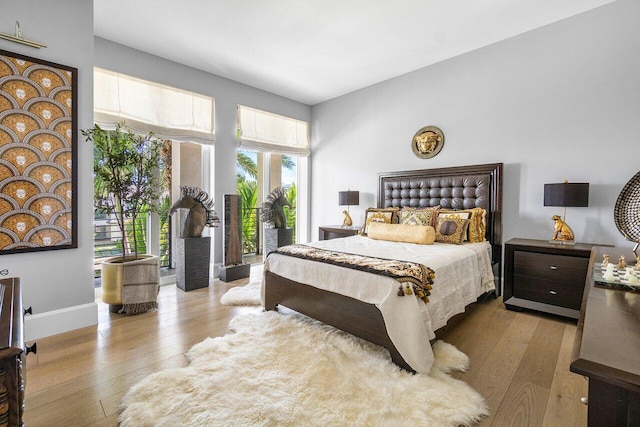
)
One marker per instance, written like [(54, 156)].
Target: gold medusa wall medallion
[(427, 142)]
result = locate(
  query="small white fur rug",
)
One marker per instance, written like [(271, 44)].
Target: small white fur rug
[(288, 370), (242, 295)]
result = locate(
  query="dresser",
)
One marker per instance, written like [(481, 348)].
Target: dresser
[(606, 349), (12, 353), (334, 231), (546, 277)]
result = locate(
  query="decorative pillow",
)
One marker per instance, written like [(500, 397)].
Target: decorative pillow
[(420, 234), (451, 230), (386, 215), (477, 222), (419, 216)]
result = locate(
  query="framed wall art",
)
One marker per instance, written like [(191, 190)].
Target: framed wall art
[(38, 154), (427, 142)]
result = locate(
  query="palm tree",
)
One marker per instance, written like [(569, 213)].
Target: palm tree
[(246, 166), (248, 191), (287, 162)]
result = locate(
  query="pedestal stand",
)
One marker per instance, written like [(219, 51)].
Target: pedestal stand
[(192, 262)]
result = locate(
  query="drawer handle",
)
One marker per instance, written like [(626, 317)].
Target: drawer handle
[(33, 348), (553, 292), (553, 267)]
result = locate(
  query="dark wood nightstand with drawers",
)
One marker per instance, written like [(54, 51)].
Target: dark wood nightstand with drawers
[(543, 276), (334, 231)]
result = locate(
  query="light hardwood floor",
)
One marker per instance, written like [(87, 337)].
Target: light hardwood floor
[(519, 361)]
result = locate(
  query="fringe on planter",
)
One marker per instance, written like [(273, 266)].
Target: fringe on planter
[(138, 308)]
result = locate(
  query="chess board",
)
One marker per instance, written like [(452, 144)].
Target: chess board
[(618, 282)]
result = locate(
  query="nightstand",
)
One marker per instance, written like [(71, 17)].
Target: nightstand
[(544, 276), (334, 231)]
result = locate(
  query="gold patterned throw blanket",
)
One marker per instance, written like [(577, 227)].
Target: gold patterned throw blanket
[(414, 278)]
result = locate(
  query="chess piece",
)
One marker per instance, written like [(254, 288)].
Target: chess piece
[(621, 264), (606, 259), (347, 222), (608, 274), (628, 273)]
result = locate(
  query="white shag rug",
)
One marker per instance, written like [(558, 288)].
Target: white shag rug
[(288, 370), (243, 295)]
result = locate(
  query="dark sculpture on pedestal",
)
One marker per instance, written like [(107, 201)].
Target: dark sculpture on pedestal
[(192, 250), (200, 213), (276, 232), (234, 268), (272, 214)]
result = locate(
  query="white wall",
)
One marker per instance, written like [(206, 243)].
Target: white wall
[(227, 93), (59, 284), (560, 102)]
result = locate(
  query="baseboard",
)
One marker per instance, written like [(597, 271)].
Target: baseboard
[(168, 280), (54, 322)]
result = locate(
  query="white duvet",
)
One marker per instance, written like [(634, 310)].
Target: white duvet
[(463, 272)]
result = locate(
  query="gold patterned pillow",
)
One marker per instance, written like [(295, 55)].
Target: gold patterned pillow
[(477, 222), (419, 216), (385, 215), (451, 229)]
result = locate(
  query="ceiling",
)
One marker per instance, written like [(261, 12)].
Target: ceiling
[(315, 50)]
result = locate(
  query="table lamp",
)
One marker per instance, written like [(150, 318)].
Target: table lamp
[(348, 198), (565, 194)]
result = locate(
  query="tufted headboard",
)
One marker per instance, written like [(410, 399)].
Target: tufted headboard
[(461, 187)]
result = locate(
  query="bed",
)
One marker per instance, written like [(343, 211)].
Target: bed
[(317, 293)]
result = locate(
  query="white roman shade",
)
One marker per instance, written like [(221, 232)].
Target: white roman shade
[(263, 131), (146, 106)]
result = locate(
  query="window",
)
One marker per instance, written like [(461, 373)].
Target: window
[(183, 119), (272, 153)]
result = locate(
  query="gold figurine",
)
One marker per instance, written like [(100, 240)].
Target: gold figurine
[(621, 263), (347, 219), (427, 142), (562, 232), (606, 259)]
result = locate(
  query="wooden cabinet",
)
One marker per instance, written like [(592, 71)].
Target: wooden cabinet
[(543, 276), (12, 352), (606, 349), (334, 231)]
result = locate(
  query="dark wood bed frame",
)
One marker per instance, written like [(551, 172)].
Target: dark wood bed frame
[(461, 187)]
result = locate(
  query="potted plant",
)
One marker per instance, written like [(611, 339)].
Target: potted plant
[(126, 185)]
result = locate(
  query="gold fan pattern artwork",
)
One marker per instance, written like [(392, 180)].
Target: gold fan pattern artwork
[(36, 153)]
